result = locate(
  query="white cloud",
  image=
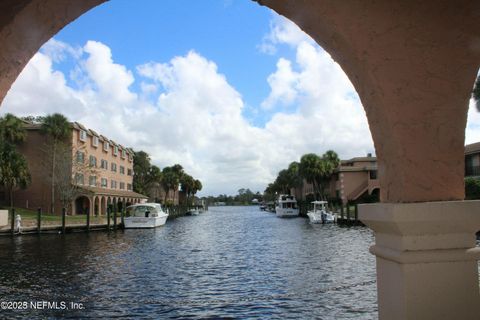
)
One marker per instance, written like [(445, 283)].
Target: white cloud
[(283, 31), (186, 111)]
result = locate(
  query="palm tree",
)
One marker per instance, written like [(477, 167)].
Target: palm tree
[(13, 169), (311, 169), (187, 183), (13, 166), (197, 186), (330, 162), (58, 129), (178, 172), (12, 129), (170, 180)]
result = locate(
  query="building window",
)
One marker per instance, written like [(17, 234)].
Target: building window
[(93, 161), (79, 178), (373, 174), (106, 145), (92, 181), (95, 141), (115, 150), (114, 167), (122, 169), (104, 183), (129, 172), (122, 185), (83, 135), (130, 157), (124, 153), (129, 186), (104, 164), (80, 157), (113, 184)]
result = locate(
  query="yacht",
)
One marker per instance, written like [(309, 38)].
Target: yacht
[(319, 214), (286, 206), (145, 215)]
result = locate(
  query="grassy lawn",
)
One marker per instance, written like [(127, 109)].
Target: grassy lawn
[(29, 218)]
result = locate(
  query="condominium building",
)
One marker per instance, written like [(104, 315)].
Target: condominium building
[(100, 169), (472, 160), (351, 180)]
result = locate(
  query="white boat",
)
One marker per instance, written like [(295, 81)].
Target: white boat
[(145, 215), (319, 214), (286, 206)]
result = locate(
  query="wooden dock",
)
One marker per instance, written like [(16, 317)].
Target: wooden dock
[(114, 222)]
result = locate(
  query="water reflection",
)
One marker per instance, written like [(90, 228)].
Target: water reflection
[(230, 262)]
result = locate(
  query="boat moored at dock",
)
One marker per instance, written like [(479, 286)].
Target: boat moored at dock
[(319, 214), (145, 215), (286, 206)]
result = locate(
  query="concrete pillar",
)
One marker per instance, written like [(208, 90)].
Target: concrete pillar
[(426, 259)]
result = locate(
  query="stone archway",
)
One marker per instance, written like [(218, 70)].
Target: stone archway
[(413, 64), (82, 205)]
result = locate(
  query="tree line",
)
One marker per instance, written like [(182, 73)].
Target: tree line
[(147, 177), (312, 168)]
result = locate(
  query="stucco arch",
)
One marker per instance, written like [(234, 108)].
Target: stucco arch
[(413, 64)]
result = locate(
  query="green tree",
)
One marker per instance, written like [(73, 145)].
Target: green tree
[(187, 184), (141, 168), (197, 186), (12, 129), (170, 181), (330, 161), (311, 168), (58, 130), (472, 188), (14, 170), (178, 172)]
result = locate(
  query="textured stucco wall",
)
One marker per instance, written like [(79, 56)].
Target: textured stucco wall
[(413, 64), (25, 25)]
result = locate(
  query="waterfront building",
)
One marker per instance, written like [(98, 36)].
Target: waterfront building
[(472, 160), (398, 55), (352, 179), (100, 170)]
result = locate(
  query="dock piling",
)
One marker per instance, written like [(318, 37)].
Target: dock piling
[(39, 219), (114, 216), (64, 213), (12, 222), (108, 218), (87, 211)]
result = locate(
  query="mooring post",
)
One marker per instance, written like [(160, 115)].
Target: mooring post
[(12, 223), (341, 210), (64, 213), (356, 212), (108, 217), (114, 216), (348, 212), (39, 219), (122, 216), (87, 211)]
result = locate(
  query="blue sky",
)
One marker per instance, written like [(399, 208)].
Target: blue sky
[(227, 32), (228, 89)]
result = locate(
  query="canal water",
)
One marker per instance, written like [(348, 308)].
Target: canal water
[(231, 262)]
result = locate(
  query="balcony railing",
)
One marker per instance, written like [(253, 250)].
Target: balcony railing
[(472, 171)]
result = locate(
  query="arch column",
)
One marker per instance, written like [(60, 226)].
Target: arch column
[(413, 64)]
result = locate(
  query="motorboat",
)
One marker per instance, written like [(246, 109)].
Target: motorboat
[(286, 206), (145, 215), (319, 214)]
